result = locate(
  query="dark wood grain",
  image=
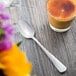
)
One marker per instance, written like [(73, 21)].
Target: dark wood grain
[(62, 45)]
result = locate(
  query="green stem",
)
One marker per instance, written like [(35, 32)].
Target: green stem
[(1, 33)]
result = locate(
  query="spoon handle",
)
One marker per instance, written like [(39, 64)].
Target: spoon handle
[(60, 67)]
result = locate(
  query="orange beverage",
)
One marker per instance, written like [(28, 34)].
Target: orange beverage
[(61, 13)]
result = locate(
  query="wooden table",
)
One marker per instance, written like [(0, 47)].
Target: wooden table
[(62, 45)]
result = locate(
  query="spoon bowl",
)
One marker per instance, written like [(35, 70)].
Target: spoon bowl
[(27, 31)]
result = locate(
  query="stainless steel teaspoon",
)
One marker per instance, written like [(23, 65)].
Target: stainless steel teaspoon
[(28, 32)]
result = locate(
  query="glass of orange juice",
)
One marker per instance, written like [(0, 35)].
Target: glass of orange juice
[(61, 13)]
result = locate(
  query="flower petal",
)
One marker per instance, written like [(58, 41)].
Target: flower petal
[(15, 62), (8, 28), (2, 7), (5, 16), (5, 45)]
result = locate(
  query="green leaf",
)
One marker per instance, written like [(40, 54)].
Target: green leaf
[(19, 43)]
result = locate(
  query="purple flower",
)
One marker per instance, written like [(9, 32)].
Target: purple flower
[(5, 44), (5, 40), (8, 29), (5, 16)]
